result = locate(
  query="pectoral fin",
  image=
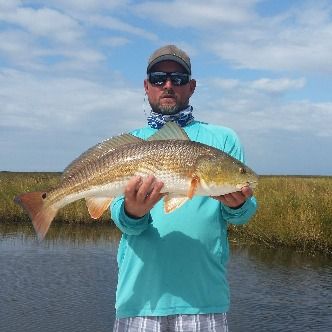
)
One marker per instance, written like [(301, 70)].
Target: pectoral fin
[(193, 186), (97, 205), (173, 202)]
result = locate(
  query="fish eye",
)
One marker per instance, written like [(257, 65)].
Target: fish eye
[(242, 170)]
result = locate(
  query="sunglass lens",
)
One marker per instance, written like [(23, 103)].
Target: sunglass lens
[(159, 78), (179, 78)]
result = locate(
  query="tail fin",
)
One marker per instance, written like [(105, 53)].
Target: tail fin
[(40, 214)]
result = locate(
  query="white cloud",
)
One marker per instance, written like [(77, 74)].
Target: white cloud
[(115, 41), (263, 85), (59, 103), (38, 22), (251, 107), (89, 6), (192, 13), (116, 24), (67, 74), (299, 38), (277, 85), (291, 41)]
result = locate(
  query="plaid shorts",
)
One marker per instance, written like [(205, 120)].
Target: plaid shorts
[(176, 323)]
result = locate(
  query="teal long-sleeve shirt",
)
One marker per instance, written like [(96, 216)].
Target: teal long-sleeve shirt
[(177, 263)]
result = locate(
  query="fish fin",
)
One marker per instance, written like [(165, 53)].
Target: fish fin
[(34, 204), (98, 151), (97, 205), (193, 186), (173, 202), (170, 130)]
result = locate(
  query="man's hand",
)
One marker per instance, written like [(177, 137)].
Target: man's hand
[(236, 199), (141, 195)]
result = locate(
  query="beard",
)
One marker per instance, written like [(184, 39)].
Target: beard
[(168, 110)]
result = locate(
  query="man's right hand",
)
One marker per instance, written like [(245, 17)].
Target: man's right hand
[(141, 195)]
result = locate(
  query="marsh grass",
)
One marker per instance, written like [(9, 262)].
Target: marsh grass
[(293, 211), (12, 184)]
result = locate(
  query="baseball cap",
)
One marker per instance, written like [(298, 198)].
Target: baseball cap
[(172, 53)]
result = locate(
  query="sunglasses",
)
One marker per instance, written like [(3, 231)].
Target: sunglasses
[(160, 78)]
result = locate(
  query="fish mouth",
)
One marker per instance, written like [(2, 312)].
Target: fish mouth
[(251, 184)]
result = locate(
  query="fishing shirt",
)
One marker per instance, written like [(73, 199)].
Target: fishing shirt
[(176, 263)]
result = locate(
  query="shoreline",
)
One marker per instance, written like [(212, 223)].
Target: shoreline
[(293, 211)]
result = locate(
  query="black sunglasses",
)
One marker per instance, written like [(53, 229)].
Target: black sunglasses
[(159, 78)]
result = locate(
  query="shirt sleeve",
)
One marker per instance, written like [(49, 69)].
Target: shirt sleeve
[(241, 215), (128, 225)]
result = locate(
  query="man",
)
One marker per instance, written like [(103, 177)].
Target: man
[(172, 267)]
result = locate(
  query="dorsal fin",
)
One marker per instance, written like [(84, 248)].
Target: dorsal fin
[(170, 130), (98, 151)]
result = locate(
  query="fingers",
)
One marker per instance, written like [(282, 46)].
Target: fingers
[(155, 194), (236, 199), (247, 191), (145, 189), (132, 187), (141, 195)]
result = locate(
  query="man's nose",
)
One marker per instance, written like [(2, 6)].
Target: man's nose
[(168, 84)]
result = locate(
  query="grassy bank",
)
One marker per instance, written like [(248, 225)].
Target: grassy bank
[(293, 211), (12, 184)]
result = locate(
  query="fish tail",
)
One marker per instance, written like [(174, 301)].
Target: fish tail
[(40, 213)]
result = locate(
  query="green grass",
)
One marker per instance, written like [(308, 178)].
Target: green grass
[(12, 184), (293, 211)]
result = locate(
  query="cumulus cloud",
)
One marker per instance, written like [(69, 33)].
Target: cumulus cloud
[(259, 106), (37, 21), (266, 85), (35, 103), (191, 13), (116, 24), (299, 40), (70, 69)]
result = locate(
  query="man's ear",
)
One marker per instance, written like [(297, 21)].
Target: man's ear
[(146, 86), (192, 85)]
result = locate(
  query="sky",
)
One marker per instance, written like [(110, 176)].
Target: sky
[(71, 75)]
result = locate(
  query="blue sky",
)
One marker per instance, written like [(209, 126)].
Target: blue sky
[(71, 75)]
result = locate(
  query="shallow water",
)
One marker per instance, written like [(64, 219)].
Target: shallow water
[(67, 283)]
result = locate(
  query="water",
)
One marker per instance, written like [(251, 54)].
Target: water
[(67, 283)]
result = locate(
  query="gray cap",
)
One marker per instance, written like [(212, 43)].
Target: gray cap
[(172, 53)]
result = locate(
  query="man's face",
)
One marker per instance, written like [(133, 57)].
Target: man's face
[(169, 98)]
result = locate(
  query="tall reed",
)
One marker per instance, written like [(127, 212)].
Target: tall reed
[(14, 183), (293, 211)]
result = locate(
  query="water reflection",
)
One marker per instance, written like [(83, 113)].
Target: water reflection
[(279, 290), (67, 283), (61, 233)]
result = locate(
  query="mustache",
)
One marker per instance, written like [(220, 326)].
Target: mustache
[(168, 92)]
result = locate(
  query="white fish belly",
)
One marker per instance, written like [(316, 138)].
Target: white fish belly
[(108, 190), (216, 190), (172, 183)]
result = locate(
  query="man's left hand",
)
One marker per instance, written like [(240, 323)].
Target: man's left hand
[(236, 199)]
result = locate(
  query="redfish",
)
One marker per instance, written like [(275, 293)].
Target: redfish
[(186, 168)]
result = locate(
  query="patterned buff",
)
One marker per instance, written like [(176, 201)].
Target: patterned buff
[(156, 120)]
